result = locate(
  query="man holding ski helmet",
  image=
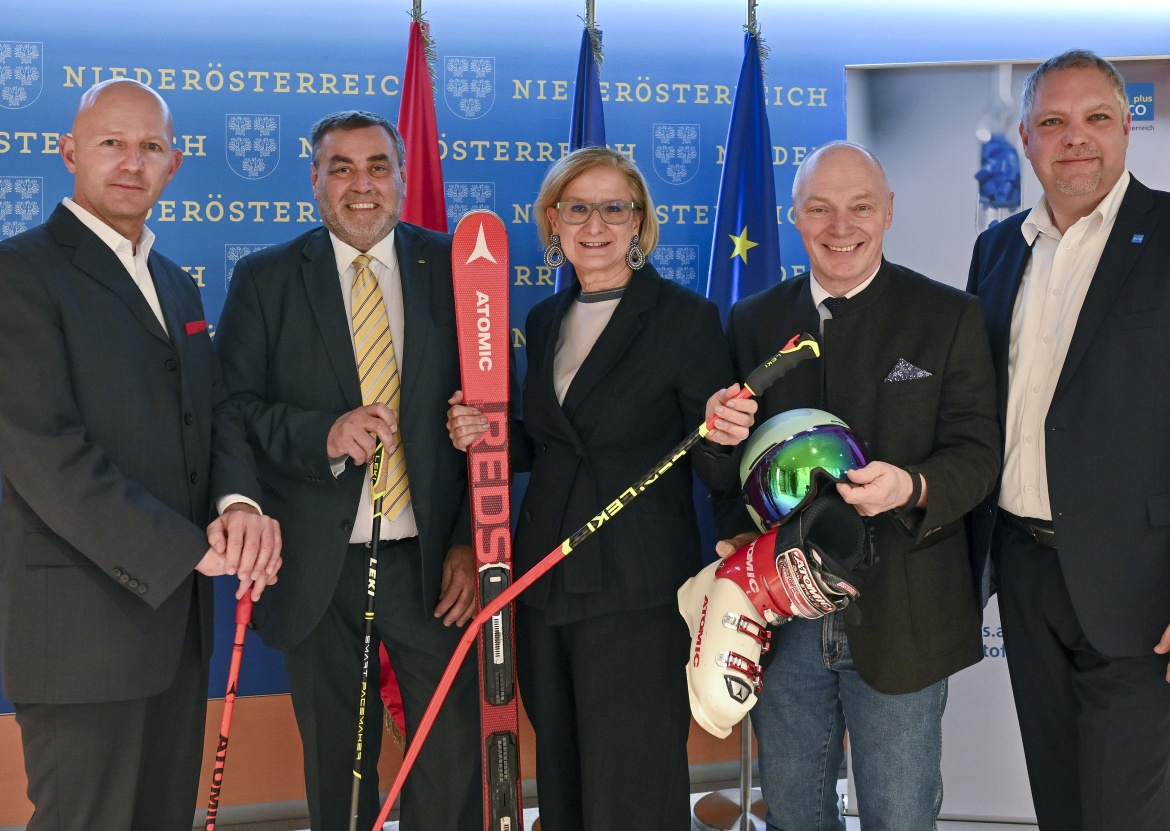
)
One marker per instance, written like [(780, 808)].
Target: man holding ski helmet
[(905, 362)]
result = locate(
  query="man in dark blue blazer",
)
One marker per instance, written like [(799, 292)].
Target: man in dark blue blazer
[(291, 366), (1077, 298), (118, 445)]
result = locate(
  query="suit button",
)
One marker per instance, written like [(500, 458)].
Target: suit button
[(544, 448), (133, 584), (117, 572), (125, 578), (527, 516), (194, 477), (142, 588), (171, 364), (188, 419), (346, 526)]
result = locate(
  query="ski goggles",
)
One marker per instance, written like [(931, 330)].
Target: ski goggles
[(788, 476)]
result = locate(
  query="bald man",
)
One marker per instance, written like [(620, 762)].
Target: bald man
[(905, 362), (127, 485)]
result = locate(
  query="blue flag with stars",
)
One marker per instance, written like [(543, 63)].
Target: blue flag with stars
[(587, 127), (745, 251)]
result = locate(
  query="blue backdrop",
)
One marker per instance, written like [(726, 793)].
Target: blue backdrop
[(246, 81)]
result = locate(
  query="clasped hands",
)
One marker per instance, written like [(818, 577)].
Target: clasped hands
[(246, 543)]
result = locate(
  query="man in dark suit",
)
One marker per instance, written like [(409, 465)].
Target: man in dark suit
[(292, 337), (118, 444), (1077, 293), (905, 363)]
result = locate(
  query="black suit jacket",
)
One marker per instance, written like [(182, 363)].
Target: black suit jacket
[(115, 437), (919, 618), (640, 391), (1107, 456), (288, 360)]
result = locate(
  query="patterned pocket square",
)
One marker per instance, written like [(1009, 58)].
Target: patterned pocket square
[(906, 371)]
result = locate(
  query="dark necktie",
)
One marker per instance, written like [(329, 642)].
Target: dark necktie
[(834, 305)]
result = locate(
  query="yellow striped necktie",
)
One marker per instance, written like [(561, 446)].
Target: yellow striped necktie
[(378, 372)]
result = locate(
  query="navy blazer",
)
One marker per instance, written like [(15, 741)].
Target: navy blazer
[(919, 618), (288, 362), (116, 437), (1107, 456)]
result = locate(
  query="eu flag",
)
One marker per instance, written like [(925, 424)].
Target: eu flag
[(587, 127), (745, 251)]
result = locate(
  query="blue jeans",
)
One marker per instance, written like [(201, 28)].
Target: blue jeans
[(811, 691)]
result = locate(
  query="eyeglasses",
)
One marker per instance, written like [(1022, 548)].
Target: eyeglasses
[(788, 476), (612, 213)]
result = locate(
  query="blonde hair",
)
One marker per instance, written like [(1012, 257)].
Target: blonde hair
[(569, 167)]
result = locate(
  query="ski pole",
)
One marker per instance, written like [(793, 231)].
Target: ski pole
[(378, 488), (243, 616)]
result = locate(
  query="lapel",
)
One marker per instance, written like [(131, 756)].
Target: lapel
[(94, 258), (1117, 261), (546, 388), (778, 313), (999, 301), (414, 269), (319, 272), (808, 319), (640, 297), (170, 297)]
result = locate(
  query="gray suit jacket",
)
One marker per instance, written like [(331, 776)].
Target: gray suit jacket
[(287, 353), (115, 438)]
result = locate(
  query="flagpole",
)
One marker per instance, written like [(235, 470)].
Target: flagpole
[(587, 121), (727, 810)]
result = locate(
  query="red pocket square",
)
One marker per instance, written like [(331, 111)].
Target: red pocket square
[(196, 326)]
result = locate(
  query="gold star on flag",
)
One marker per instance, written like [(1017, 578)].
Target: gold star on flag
[(742, 245)]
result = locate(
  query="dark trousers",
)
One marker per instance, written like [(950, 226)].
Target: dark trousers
[(443, 791), (1096, 728), (119, 765), (607, 697)]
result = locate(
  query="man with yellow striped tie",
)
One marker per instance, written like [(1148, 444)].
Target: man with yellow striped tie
[(341, 338)]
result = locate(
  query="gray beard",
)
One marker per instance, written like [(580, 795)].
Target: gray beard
[(1071, 187)]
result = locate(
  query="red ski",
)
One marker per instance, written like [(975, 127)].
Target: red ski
[(479, 265)]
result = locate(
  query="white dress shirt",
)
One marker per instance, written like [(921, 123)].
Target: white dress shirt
[(1045, 315), (385, 268), (134, 258)]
